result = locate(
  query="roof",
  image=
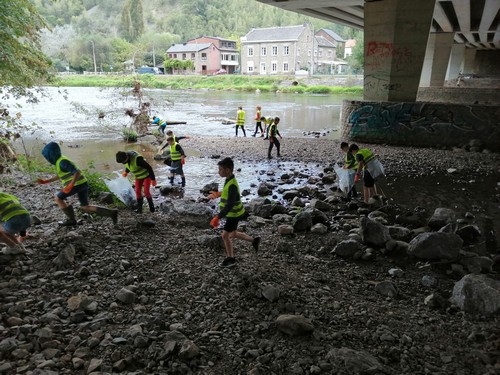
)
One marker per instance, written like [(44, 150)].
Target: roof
[(334, 35), (213, 37), (286, 33), (323, 42), (176, 48)]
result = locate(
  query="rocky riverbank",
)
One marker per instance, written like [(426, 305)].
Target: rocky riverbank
[(336, 288)]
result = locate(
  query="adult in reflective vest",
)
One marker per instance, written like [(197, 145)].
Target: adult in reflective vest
[(364, 156), (232, 209), (161, 124), (274, 133), (14, 220), (73, 182), (349, 163), (143, 174), (177, 156), (240, 121), (258, 122)]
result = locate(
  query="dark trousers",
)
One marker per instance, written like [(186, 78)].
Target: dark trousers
[(242, 128), (258, 125), (352, 193), (274, 143)]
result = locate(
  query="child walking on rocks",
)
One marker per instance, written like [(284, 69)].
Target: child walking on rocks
[(232, 209), (74, 182)]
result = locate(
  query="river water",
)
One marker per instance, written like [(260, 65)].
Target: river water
[(70, 116)]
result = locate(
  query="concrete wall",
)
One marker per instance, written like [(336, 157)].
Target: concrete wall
[(489, 95), (421, 124), (487, 63)]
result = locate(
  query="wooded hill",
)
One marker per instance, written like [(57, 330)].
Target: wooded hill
[(122, 30)]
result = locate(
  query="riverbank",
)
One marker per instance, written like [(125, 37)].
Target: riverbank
[(147, 296), (289, 84)]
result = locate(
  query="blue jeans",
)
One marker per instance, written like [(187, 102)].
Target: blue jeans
[(17, 224)]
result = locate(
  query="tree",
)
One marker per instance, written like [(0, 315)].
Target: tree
[(357, 59), (22, 64), (132, 20)]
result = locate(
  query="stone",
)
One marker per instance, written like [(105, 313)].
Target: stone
[(354, 361), (441, 217), (435, 245), (282, 219), (399, 233), (126, 296), (374, 233), (469, 234), (319, 228), (386, 288), (294, 325), (263, 210), (396, 272), (477, 264), (65, 258), (347, 248), (263, 189), (95, 364), (302, 222), (477, 294), (285, 230), (290, 194), (297, 202), (320, 205), (189, 350), (270, 292), (429, 281), (186, 213)]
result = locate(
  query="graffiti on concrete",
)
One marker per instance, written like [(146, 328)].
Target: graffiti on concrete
[(379, 54), (420, 123)]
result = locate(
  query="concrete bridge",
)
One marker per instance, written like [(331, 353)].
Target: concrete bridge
[(432, 69)]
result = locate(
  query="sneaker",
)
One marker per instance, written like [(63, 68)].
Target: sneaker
[(228, 262), (255, 244), (269, 157)]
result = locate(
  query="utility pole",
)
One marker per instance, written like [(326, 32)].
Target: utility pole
[(93, 54)]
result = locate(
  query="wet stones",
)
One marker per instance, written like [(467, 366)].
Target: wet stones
[(374, 233), (348, 248)]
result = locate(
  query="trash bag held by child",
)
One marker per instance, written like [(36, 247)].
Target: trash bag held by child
[(346, 178), (375, 168), (122, 189)]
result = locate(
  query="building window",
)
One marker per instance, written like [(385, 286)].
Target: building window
[(175, 55), (263, 51), (203, 56), (193, 56), (233, 57), (250, 67), (275, 51), (250, 51), (286, 50), (285, 67), (274, 67), (184, 56)]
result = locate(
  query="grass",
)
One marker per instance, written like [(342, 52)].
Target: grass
[(227, 82)]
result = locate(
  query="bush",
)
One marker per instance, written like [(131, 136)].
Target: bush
[(129, 135)]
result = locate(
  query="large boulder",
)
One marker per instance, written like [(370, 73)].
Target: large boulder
[(441, 217), (374, 233), (435, 245), (477, 294), (302, 222), (347, 248)]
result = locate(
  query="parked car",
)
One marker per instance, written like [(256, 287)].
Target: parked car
[(148, 70), (220, 71)]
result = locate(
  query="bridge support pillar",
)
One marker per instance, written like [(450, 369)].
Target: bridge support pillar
[(396, 33)]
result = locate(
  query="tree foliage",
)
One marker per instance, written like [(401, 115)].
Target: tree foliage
[(132, 23), (22, 63)]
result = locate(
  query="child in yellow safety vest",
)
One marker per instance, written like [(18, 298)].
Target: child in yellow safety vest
[(232, 209), (364, 156), (177, 156), (240, 121), (73, 182), (349, 163), (14, 220)]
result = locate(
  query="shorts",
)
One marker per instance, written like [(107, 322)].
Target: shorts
[(368, 180), (231, 224), (176, 167), (17, 224), (82, 191)]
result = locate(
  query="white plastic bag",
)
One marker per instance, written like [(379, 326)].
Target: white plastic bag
[(346, 178), (122, 188), (375, 168)]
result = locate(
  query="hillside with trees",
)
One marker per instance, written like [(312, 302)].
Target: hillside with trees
[(138, 31)]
